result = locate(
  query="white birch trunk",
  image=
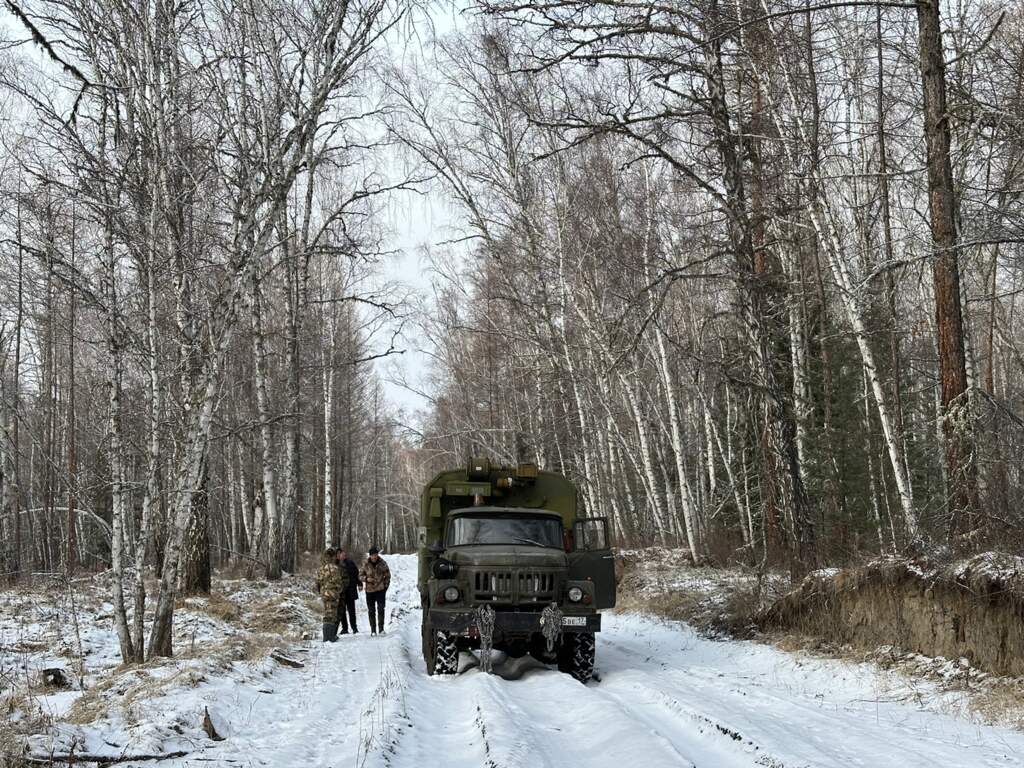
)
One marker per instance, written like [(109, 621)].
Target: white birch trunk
[(247, 511), (650, 480), (119, 511), (328, 388), (273, 562), (676, 431), (153, 458), (588, 468)]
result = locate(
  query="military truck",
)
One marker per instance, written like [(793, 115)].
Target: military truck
[(505, 563)]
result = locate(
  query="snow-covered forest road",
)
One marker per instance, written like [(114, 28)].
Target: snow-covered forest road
[(667, 698)]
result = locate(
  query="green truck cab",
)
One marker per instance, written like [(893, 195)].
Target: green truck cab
[(506, 563)]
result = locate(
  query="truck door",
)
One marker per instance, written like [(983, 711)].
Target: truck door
[(592, 559)]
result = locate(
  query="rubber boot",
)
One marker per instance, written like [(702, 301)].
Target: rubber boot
[(330, 633)]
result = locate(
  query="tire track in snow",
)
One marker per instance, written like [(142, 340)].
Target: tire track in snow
[(440, 724), (708, 741), (577, 723), (509, 744), (798, 711)]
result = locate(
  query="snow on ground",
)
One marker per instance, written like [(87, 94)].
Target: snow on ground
[(667, 697)]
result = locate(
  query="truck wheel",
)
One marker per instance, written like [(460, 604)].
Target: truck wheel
[(429, 638), (576, 655), (446, 655)]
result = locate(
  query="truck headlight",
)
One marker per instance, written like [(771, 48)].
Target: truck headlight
[(451, 594), (575, 594)]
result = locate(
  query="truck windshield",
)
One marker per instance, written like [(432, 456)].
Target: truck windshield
[(533, 531)]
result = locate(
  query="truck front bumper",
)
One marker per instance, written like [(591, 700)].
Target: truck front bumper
[(463, 622)]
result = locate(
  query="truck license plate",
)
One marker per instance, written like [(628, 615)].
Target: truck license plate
[(574, 621)]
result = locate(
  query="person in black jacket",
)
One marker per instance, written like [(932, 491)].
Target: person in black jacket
[(347, 601)]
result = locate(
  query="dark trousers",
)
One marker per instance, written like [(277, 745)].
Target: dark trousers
[(375, 607), (347, 604)]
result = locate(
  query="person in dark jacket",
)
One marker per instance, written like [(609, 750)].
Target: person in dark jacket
[(376, 578), (347, 602)]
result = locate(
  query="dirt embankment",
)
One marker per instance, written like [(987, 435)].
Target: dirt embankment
[(971, 609)]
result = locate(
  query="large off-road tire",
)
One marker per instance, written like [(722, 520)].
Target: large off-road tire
[(576, 655), (429, 644), (446, 654)]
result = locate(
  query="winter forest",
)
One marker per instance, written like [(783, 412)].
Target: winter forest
[(747, 272)]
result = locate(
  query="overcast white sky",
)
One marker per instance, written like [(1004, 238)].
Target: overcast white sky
[(417, 220)]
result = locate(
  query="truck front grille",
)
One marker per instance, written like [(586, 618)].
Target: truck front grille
[(514, 586), (493, 585), (538, 587)]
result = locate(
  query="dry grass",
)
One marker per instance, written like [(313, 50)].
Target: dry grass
[(127, 686), (19, 714), (730, 613), (717, 602), (221, 607), (1001, 703), (283, 619), (676, 606)]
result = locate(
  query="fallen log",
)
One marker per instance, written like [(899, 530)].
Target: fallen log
[(281, 658), (84, 757)]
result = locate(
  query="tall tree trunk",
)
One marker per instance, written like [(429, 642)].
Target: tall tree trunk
[(293, 425), (273, 521), (154, 407), (781, 431), (961, 470), (188, 481), (14, 481), (115, 339), (328, 394), (70, 554), (195, 577), (890, 254), (690, 510), (49, 400)]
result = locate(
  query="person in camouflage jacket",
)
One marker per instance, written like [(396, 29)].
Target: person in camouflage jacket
[(376, 578), (331, 581)]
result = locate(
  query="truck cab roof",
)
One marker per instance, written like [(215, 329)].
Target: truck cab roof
[(493, 510)]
